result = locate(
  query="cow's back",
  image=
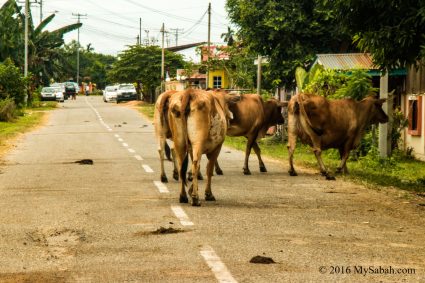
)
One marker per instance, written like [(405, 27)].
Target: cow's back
[(248, 115)]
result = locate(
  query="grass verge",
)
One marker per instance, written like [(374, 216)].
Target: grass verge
[(398, 171), (30, 118)]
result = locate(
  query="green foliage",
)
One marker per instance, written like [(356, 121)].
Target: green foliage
[(357, 86), (143, 63), (400, 122), (392, 30), (7, 110), (289, 32), (326, 83), (12, 83), (43, 56)]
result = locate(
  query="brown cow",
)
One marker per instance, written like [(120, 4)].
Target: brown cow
[(324, 124), (252, 117), (163, 132), (198, 121)]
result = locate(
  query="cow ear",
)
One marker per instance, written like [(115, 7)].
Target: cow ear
[(380, 101)]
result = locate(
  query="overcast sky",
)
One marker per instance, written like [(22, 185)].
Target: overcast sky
[(110, 25)]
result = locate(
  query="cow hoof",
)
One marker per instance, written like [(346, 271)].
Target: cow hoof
[(183, 199), (209, 197), (246, 172), (292, 173), (330, 178), (175, 175), (164, 179), (189, 177), (200, 177), (263, 169), (219, 172), (195, 202)]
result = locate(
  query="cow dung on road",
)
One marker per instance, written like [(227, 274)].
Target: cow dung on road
[(84, 162), (262, 260)]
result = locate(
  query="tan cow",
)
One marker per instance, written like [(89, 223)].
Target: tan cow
[(198, 121), (163, 132), (324, 124), (252, 117)]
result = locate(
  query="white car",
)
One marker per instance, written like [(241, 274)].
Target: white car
[(52, 93), (110, 93), (126, 92)]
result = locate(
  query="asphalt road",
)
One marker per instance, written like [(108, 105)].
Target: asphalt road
[(61, 221)]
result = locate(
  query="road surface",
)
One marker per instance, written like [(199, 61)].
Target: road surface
[(62, 221)]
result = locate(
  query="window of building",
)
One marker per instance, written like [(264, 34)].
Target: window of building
[(415, 116), (216, 81)]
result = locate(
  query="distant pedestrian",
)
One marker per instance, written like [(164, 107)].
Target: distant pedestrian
[(87, 90)]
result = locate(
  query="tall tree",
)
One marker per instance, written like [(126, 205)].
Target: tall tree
[(290, 32), (143, 64), (392, 30)]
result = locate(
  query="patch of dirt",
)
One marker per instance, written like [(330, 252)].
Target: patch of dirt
[(161, 231), (35, 277), (59, 243), (262, 260)]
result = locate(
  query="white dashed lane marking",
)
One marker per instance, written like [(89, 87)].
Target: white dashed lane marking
[(117, 136), (125, 144), (147, 168), (131, 150), (217, 266), (181, 215), (120, 140), (138, 157), (161, 187)]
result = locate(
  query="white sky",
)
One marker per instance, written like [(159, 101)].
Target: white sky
[(111, 25)]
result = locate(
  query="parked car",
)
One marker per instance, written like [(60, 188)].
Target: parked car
[(126, 92), (110, 93), (70, 89), (52, 93)]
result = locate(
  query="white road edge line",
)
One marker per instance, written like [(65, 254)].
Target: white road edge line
[(138, 157), (161, 187), (147, 168), (181, 215), (216, 265)]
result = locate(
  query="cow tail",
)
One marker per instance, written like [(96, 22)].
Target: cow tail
[(305, 121), (183, 169), (185, 110), (163, 107)]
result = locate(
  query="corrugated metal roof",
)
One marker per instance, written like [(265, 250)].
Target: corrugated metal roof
[(347, 61)]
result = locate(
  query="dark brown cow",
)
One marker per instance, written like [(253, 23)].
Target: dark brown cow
[(198, 122), (324, 124), (252, 117)]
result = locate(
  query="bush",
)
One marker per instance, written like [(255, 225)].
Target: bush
[(7, 110), (12, 83)]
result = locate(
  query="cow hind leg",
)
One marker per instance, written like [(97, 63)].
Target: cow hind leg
[(183, 169), (161, 159), (212, 159), (167, 151), (175, 171), (218, 170), (195, 169), (249, 144), (323, 171), (260, 160), (344, 154), (292, 142)]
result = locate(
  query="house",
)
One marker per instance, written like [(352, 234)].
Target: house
[(217, 77), (413, 105)]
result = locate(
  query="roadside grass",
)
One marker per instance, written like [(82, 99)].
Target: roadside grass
[(29, 118), (147, 109), (398, 171)]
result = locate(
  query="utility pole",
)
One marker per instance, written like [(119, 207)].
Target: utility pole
[(147, 37), (140, 31), (79, 17), (176, 34), (27, 8), (41, 11), (209, 45), (259, 74), (138, 40), (162, 58)]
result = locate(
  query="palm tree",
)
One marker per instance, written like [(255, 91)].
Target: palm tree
[(228, 36)]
